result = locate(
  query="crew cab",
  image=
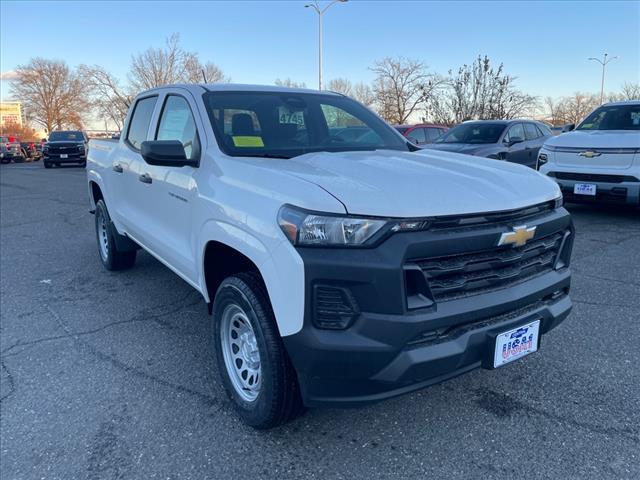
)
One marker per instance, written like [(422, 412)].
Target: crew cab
[(65, 146), (600, 160), (339, 270)]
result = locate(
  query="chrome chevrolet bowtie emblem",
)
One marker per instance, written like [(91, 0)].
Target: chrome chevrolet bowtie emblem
[(518, 237), (589, 154)]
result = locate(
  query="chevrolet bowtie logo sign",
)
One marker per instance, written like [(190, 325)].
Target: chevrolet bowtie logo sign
[(518, 237), (589, 154)]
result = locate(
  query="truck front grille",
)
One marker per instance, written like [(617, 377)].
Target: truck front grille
[(456, 276)]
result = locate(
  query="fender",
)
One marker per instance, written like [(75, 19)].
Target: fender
[(279, 260)]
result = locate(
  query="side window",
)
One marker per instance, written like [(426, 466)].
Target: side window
[(433, 133), (140, 120), (544, 130), (177, 123), (515, 132), (531, 131), (417, 136)]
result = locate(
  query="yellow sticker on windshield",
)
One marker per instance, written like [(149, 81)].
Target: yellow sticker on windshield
[(247, 141)]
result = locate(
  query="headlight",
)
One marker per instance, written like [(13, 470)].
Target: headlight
[(305, 228), (311, 228), (559, 201), (81, 148)]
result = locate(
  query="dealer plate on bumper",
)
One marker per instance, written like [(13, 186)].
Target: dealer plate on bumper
[(64, 155), (516, 343), (584, 189)]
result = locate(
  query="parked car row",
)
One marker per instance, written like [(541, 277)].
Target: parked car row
[(597, 161)]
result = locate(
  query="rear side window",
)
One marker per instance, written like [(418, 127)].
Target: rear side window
[(433, 133), (140, 120), (531, 131), (177, 123), (417, 136)]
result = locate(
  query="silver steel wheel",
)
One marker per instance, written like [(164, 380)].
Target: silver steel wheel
[(103, 237), (240, 352)]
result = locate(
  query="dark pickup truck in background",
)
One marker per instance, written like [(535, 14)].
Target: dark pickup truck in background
[(65, 146)]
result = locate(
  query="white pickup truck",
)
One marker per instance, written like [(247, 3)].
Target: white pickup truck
[(340, 265), (600, 160)]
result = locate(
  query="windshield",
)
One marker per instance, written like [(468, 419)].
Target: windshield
[(69, 136), (614, 117), (473, 133), (284, 125)]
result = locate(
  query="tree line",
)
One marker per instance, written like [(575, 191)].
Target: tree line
[(56, 96)]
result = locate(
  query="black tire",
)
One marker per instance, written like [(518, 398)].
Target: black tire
[(278, 399), (47, 164), (57, 164), (83, 164), (110, 256)]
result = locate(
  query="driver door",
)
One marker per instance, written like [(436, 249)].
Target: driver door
[(170, 191), (516, 152)]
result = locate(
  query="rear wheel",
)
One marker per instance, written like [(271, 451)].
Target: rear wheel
[(110, 256), (254, 367), (47, 164)]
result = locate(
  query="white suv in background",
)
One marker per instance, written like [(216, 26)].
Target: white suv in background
[(600, 160)]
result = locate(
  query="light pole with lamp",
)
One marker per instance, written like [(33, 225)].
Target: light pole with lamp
[(602, 62), (321, 12)]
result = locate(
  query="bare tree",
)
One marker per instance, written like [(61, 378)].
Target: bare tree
[(52, 94), (578, 106), (630, 91), (287, 82), (212, 73), (341, 85), (172, 64), (364, 94), (478, 91), (399, 87), (109, 98)]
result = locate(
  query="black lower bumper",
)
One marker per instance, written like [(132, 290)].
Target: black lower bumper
[(398, 349), (70, 159)]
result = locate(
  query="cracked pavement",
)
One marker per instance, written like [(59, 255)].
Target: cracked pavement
[(107, 376)]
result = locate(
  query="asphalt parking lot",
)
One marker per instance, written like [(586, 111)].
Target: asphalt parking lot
[(106, 375)]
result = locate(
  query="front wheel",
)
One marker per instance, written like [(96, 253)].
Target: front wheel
[(254, 367), (110, 256), (47, 164)]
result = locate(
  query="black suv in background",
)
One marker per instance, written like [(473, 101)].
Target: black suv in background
[(516, 141), (65, 146)]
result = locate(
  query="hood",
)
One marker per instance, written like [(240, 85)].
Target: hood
[(593, 139), (425, 183), (614, 148)]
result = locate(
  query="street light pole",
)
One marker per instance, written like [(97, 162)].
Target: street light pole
[(321, 12), (602, 62)]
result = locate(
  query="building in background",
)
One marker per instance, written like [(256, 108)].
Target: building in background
[(12, 113)]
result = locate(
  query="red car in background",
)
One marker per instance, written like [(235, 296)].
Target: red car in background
[(421, 133)]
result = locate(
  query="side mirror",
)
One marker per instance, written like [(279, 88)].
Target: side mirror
[(165, 153), (514, 140), (568, 128)]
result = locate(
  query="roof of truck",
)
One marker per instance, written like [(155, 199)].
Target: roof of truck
[(238, 87)]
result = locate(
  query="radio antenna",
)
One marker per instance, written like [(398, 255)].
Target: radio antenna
[(204, 76)]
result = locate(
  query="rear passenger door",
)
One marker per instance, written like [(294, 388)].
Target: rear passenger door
[(535, 139), (127, 195)]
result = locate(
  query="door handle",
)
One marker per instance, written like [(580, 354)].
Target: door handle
[(117, 168), (145, 178)]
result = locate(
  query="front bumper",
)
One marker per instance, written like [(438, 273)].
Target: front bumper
[(625, 192), (71, 158), (391, 348)]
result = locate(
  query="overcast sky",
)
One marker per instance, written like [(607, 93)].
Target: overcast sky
[(544, 44)]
